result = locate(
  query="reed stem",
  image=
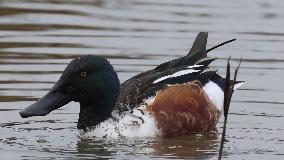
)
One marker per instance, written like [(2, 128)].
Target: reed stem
[(228, 92)]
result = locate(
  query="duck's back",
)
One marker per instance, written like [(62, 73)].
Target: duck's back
[(193, 66)]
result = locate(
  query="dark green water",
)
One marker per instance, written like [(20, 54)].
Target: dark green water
[(39, 38)]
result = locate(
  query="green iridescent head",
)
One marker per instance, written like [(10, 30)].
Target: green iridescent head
[(89, 80)]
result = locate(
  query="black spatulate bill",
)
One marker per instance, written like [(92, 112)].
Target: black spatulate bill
[(54, 99)]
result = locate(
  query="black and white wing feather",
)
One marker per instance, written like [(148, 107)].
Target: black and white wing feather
[(182, 70)]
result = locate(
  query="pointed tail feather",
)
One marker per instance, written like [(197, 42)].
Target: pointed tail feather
[(219, 45), (199, 44), (196, 55)]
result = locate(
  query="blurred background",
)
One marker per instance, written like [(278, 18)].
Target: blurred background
[(39, 38)]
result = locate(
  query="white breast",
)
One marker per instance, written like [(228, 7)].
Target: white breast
[(134, 124)]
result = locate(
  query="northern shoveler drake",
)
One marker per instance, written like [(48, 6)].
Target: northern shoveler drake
[(179, 97)]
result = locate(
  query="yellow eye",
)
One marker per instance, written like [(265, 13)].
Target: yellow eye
[(83, 74)]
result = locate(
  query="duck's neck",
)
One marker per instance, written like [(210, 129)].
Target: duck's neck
[(96, 107), (92, 114)]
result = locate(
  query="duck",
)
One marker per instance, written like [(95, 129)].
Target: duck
[(179, 97)]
